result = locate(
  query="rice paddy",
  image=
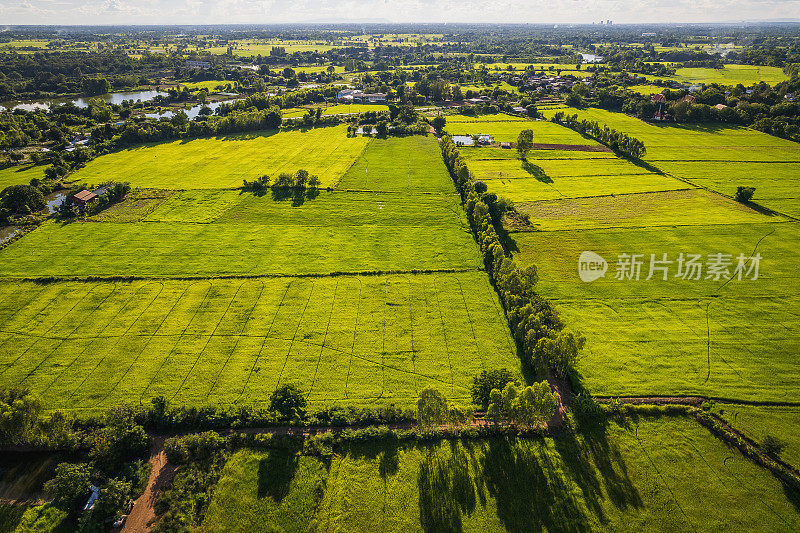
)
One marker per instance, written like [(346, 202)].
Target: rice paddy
[(223, 162)]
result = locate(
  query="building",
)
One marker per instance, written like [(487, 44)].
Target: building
[(371, 98), (204, 65), (349, 96), (519, 109), (658, 97), (84, 198), (720, 107), (485, 139), (506, 145), (688, 98), (463, 140), (695, 88)]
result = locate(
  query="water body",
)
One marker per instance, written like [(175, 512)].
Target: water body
[(7, 233), (591, 58), (54, 201), (193, 112), (111, 98)]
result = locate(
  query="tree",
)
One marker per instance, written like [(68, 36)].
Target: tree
[(772, 445), (536, 404), (560, 351), (431, 407), (289, 402), (70, 484), (22, 199), (19, 414), (438, 123), (524, 143), (113, 497), (531, 406), (744, 194), (485, 382), (480, 187)]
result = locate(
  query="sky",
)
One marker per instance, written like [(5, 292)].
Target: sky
[(286, 11)]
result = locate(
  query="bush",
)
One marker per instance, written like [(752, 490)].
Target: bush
[(744, 194), (196, 448)]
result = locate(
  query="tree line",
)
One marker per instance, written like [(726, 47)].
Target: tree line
[(542, 339), (618, 141)]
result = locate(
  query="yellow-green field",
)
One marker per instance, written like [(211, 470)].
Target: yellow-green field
[(225, 161)]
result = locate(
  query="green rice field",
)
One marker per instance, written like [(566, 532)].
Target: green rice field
[(257, 236), (670, 208), (719, 157), (402, 164), (736, 339), (642, 477), (220, 162), (347, 339)]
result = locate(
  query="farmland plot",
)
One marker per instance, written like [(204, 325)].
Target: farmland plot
[(553, 174), (720, 157), (213, 233), (341, 339), (224, 161), (400, 164), (643, 478), (736, 339)]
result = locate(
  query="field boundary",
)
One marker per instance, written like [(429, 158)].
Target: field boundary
[(45, 280)]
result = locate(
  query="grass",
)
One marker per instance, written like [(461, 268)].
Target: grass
[(210, 85), (508, 130), (220, 162), (759, 421), (646, 90), (262, 489), (35, 519), (717, 156), (347, 340), (20, 175), (642, 477), (407, 164), (136, 205), (678, 337)]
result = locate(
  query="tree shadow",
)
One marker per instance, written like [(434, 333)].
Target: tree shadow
[(276, 472), (529, 493), (536, 171), (608, 460), (793, 495), (446, 490)]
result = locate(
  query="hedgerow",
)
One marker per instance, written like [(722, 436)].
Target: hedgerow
[(543, 341)]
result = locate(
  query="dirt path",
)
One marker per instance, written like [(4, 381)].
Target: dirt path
[(143, 514)]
